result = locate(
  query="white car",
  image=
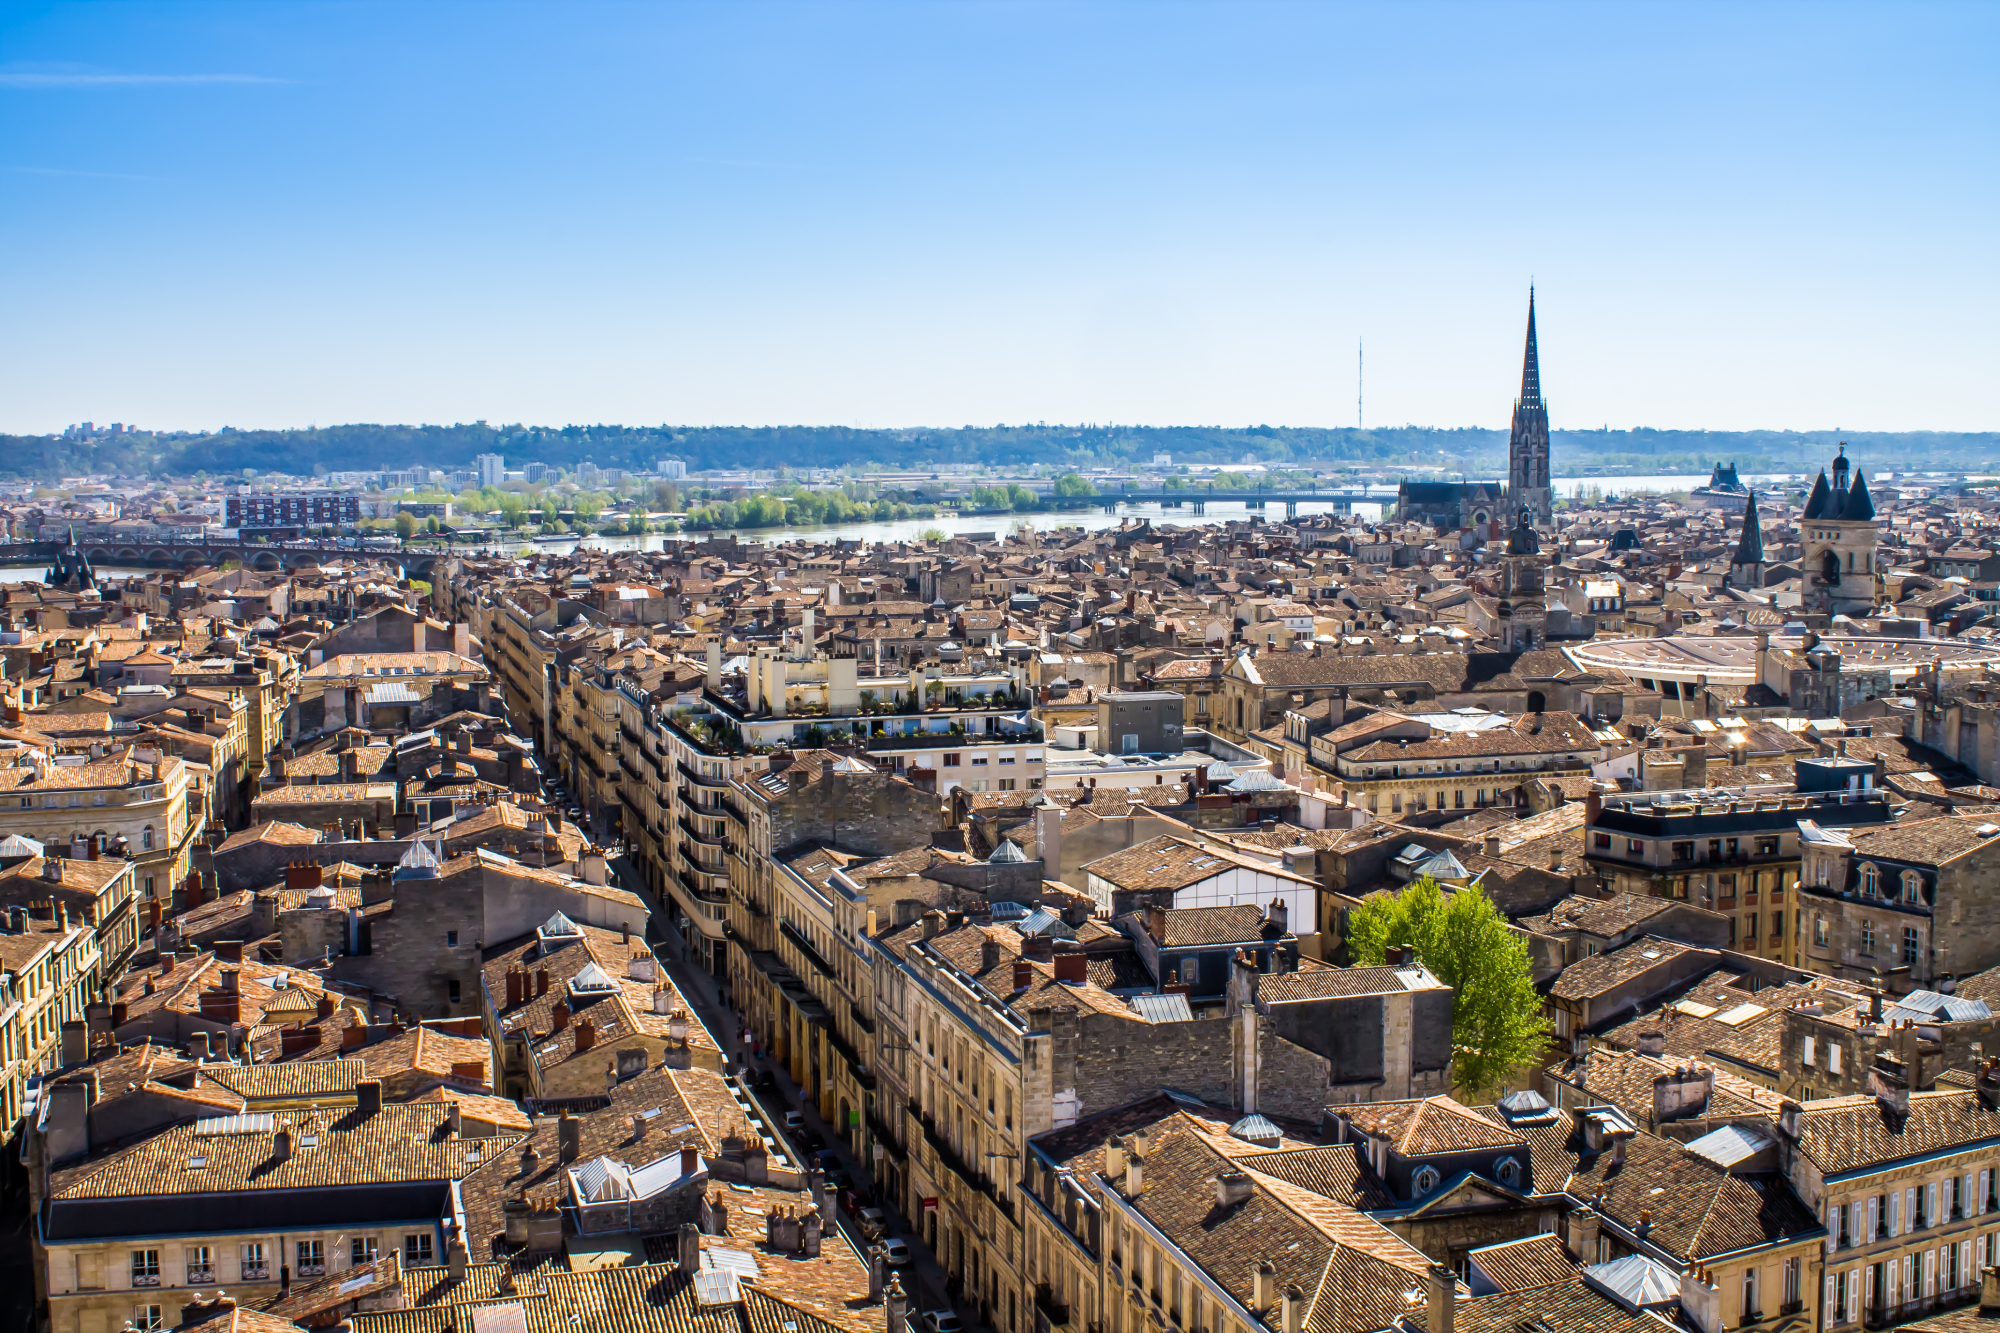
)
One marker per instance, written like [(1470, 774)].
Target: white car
[(895, 1253), (943, 1321)]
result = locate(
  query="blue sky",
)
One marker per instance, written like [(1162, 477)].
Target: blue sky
[(1741, 215)]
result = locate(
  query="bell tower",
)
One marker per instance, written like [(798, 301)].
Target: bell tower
[(1838, 537), (1523, 614)]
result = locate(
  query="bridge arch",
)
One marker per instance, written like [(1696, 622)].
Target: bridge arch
[(127, 555), (265, 562)]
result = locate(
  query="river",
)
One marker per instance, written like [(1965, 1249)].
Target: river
[(905, 530)]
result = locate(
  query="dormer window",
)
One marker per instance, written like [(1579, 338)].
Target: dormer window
[(1871, 881), (1913, 887), (1425, 1180), (1508, 1172)]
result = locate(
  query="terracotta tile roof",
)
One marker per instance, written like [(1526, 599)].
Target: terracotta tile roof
[(1518, 1265), (1699, 1210), (1572, 1306), (1429, 1125), (397, 1144), (1602, 972), (1852, 1133)]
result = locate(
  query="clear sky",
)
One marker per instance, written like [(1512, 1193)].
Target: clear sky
[(1736, 215)]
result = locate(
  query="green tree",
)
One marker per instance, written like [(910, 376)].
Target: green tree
[(1069, 486), (933, 535), (1497, 1023), (406, 526)]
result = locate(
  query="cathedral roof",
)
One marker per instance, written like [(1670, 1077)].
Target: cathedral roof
[(1860, 505), (1531, 366), (1820, 500)]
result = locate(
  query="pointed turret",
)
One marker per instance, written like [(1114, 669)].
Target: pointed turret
[(1859, 507), (1531, 364), (1750, 549), (1821, 497)]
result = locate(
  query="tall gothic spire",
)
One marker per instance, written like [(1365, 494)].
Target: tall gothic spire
[(1531, 369), (1750, 550)]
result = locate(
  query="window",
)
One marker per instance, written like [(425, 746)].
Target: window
[(1806, 1056), (148, 1316), (1819, 931), (451, 991), (1602, 840), (1007, 784), (1683, 851), (1867, 936), (1909, 946), (1871, 881), (146, 838), (1635, 847), (1913, 887), (362, 1250), (1791, 1282), (1425, 1180), (312, 1258), (1767, 846), (1508, 1172), (1751, 1313), (200, 1265), (1833, 1059), (255, 1268), (417, 1248), (145, 1268), (951, 761), (451, 939)]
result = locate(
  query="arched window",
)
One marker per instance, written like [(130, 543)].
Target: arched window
[(1871, 881), (1425, 1180), (1913, 887), (1508, 1172), (146, 838)]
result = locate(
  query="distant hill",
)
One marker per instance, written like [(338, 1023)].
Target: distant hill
[(639, 448)]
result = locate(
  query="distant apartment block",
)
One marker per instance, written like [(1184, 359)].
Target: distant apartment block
[(491, 469), (278, 511), (535, 471), (673, 469)]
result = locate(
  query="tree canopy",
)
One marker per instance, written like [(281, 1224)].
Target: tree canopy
[(1496, 1017)]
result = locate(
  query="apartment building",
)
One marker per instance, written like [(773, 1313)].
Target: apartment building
[(1737, 853), (246, 1200), (1912, 901), (1404, 766), (135, 801), (50, 971), (1904, 1183), (267, 682)]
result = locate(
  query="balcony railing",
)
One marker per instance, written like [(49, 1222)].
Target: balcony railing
[(705, 839), (702, 779)]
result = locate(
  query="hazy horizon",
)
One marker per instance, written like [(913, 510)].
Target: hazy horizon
[(1765, 217)]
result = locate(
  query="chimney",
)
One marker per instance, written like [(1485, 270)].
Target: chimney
[(1114, 1159), (1024, 974), (1135, 1175), (75, 1042), (1682, 1094), (1156, 922), (1583, 1236), (989, 954), (558, 1016), (1989, 1291), (1652, 1043), (353, 1038), (1280, 915), (1440, 1299), (586, 1034), (690, 1159), (368, 1097), (933, 922), (1493, 845), (1261, 1286), (541, 981), (1294, 1304), (1072, 968), (281, 1143), (569, 1138), (687, 1247), (455, 1259), (1231, 1188)]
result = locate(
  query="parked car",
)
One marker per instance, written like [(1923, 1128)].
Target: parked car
[(856, 1199), (873, 1222), (943, 1321), (895, 1253), (795, 1123), (764, 1081)]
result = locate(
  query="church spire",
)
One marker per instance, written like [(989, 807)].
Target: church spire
[(1750, 550), (1531, 368)]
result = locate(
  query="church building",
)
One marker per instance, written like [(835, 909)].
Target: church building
[(1482, 506)]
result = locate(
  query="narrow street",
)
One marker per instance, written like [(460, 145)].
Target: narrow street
[(924, 1279)]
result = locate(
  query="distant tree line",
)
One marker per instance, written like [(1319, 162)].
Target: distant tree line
[(228, 453)]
